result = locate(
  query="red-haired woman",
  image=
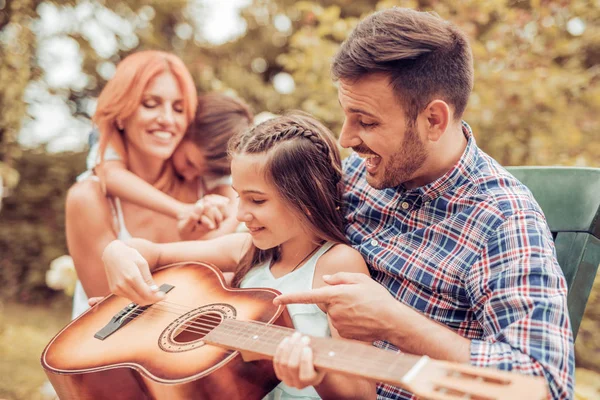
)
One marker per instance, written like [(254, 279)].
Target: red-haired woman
[(142, 115)]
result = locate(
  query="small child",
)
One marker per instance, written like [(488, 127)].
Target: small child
[(200, 160), (287, 173)]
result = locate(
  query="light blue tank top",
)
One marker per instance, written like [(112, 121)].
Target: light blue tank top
[(307, 318)]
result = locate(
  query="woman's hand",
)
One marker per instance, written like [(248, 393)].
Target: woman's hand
[(128, 273), (293, 362)]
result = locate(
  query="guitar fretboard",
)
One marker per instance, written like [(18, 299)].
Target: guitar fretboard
[(346, 356)]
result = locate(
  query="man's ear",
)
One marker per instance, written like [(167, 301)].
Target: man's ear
[(437, 117)]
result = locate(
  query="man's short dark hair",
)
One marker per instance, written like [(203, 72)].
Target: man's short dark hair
[(424, 56)]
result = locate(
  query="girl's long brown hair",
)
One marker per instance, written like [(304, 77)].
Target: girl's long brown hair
[(303, 163)]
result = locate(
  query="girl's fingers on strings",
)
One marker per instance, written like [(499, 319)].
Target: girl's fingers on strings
[(279, 357), (308, 376), (293, 362), (143, 293)]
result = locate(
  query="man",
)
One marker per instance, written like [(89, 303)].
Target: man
[(461, 246)]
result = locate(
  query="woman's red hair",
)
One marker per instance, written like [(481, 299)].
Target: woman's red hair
[(123, 93)]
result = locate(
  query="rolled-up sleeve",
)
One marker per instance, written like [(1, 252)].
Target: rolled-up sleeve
[(519, 295)]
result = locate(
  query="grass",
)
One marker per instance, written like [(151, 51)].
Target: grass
[(24, 332)]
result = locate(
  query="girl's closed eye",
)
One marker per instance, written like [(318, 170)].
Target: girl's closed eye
[(258, 201)]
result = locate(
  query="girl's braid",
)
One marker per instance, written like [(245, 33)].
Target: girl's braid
[(288, 131), (293, 130)]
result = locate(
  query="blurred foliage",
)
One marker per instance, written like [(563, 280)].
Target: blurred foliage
[(587, 346), (32, 226), (16, 53)]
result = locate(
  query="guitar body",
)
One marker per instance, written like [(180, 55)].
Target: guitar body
[(154, 356)]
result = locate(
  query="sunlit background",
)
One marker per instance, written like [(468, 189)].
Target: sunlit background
[(536, 102)]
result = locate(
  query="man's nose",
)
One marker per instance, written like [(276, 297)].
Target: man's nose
[(348, 136)]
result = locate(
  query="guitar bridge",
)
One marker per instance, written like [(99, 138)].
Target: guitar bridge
[(126, 315)]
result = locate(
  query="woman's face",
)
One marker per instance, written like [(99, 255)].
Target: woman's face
[(159, 123), (189, 161)]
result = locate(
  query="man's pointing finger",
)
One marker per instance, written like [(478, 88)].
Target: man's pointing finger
[(316, 296)]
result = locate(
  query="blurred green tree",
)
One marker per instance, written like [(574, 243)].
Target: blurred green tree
[(537, 67), (16, 52)]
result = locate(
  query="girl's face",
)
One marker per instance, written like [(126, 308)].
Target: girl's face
[(270, 220), (189, 161), (158, 124)]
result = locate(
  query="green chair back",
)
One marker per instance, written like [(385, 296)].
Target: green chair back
[(570, 200)]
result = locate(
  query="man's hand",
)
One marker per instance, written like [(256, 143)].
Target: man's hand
[(128, 274), (358, 307)]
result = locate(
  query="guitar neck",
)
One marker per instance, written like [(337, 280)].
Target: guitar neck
[(421, 375), (338, 355)]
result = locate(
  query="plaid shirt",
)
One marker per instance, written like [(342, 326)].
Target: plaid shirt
[(471, 250)]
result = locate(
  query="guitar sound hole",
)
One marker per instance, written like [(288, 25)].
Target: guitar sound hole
[(196, 328)]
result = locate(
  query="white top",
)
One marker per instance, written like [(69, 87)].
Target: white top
[(307, 318)]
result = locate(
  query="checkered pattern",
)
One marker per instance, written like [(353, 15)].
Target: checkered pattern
[(471, 250)]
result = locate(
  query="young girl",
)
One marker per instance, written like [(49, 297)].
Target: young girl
[(202, 158), (287, 174)]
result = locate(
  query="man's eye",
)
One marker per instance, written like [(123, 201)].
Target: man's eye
[(365, 125), (178, 108)]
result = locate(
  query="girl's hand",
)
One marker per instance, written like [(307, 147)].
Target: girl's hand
[(204, 216), (293, 362), (191, 224), (128, 273)]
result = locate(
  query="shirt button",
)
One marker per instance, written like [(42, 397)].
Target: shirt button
[(374, 242), (405, 205)]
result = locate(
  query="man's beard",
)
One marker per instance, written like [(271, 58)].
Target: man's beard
[(401, 166)]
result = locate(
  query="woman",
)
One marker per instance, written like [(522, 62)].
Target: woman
[(142, 116)]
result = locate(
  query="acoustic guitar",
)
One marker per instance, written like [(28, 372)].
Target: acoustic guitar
[(208, 341)]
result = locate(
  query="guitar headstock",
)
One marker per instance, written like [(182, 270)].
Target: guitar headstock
[(439, 380)]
